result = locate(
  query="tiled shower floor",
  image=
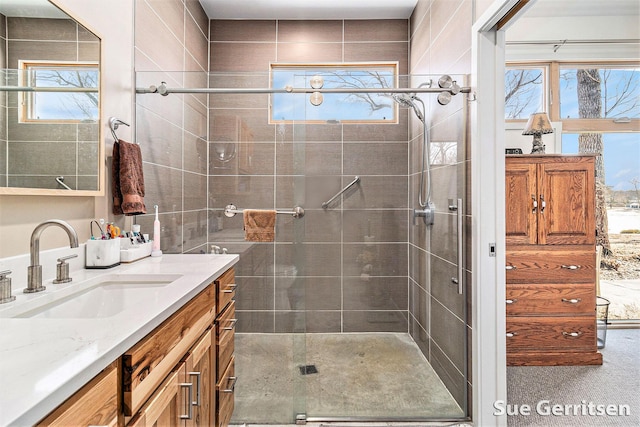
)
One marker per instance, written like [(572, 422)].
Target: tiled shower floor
[(374, 376)]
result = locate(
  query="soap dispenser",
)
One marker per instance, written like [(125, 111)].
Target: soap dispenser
[(5, 287)]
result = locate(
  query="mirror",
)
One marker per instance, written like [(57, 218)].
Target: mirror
[(50, 133)]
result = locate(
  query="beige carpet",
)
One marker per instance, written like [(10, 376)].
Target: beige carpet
[(616, 382), (373, 376)]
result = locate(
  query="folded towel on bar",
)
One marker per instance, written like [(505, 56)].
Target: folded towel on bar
[(128, 179), (259, 225)]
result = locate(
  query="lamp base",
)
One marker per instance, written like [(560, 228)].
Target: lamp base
[(538, 146)]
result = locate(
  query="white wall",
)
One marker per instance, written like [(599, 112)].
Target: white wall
[(112, 21), (582, 28)]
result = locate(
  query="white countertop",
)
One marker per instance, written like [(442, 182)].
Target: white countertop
[(44, 361)]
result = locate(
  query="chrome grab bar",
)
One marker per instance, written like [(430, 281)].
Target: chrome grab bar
[(231, 211), (351, 184), (460, 244)]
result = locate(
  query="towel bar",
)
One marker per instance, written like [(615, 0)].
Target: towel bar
[(231, 210)]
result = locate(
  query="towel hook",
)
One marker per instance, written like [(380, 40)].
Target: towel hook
[(114, 123)]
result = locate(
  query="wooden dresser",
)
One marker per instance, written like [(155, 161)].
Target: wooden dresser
[(550, 260)]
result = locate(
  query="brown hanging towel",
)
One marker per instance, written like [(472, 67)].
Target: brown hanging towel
[(259, 225), (128, 179)]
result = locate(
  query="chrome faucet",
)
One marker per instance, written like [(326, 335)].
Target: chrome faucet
[(34, 271)]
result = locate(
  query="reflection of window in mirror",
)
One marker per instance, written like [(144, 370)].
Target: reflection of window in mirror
[(63, 91)]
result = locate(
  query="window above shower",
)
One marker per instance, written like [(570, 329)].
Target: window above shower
[(322, 107)]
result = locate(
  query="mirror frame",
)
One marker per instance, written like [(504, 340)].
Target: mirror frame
[(101, 191)]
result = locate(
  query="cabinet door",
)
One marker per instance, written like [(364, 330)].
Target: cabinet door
[(521, 203), (163, 408), (198, 372), (568, 191)]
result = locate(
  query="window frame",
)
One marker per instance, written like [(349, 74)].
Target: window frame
[(552, 91), (26, 99)]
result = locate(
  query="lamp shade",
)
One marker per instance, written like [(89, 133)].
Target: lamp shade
[(538, 124)]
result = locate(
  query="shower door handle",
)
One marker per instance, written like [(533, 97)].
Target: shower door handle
[(460, 244)]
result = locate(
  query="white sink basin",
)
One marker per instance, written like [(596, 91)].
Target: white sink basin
[(102, 297)]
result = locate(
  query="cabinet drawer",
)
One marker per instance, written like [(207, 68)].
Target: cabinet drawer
[(226, 289), (551, 333), (546, 299), (225, 389), (570, 266), (147, 363), (94, 404), (225, 337), (164, 406)]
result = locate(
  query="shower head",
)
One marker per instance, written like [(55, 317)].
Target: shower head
[(406, 100)]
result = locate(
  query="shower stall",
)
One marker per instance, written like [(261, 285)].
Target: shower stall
[(359, 308)]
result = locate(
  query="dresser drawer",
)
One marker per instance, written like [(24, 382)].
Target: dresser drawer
[(225, 390), (146, 364), (570, 266), (551, 333), (225, 338), (546, 299), (225, 289)]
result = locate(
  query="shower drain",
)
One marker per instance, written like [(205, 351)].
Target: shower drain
[(308, 369)]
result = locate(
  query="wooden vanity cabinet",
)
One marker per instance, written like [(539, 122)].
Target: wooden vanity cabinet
[(95, 404), (224, 327), (550, 260), (172, 376)]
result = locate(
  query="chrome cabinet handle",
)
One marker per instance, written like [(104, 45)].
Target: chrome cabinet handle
[(570, 267), (510, 267), (233, 381), (512, 301), (230, 289), (233, 325), (571, 334), (189, 387), (198, 375), (543, 203), (511, 334), (572, 300), (535, 202)]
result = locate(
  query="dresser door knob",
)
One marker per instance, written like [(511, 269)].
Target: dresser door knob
[(512, 301), (572, 300), (510, 267), (511, 334), (571, 267)]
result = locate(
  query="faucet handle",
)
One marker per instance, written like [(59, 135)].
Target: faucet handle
[(5, 287), (62, 269), (62, 259)]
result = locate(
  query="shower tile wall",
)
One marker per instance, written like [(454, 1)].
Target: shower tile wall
[(441, 44), (27, 38), (344, 282), (171, 36)]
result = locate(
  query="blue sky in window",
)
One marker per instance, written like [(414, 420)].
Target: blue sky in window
[(621, 157), (342, 107)]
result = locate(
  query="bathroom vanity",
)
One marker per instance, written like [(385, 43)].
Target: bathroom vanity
[(163, 352)]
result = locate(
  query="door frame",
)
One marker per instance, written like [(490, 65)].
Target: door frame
[(489, 370)]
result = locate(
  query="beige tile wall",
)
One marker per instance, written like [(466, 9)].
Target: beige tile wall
[(171, 36), (441, 44), (331, 292), (34, 154)]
